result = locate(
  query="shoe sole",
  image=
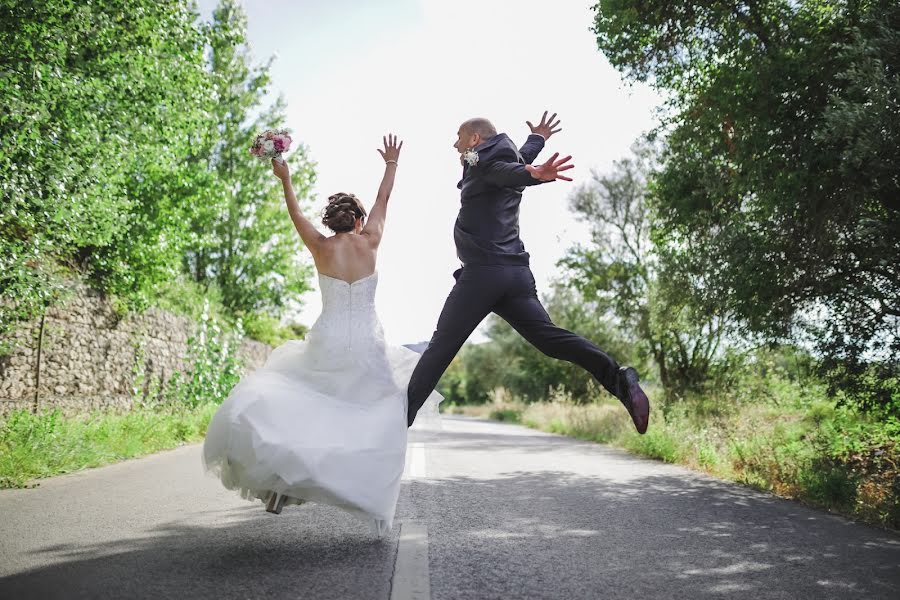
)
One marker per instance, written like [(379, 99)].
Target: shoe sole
[(275, 504), (640, 404)]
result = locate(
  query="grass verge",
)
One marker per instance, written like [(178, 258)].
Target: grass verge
[(46, 444)]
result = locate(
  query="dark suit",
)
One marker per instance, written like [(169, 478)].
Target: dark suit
[(495, 276)]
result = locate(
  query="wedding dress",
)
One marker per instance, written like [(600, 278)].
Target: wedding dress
[(324, 420)]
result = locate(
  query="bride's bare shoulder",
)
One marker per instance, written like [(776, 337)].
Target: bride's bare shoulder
[(345, 255), (341, 243)]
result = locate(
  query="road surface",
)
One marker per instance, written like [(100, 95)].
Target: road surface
[(487, 510)]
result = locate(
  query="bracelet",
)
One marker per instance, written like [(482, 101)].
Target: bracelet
[(390, 161)]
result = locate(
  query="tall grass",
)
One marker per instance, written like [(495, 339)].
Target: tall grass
[(34, 446)]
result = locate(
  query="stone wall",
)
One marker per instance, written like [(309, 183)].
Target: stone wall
[(89, 356)]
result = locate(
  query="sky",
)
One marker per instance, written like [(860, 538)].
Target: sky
[(353, 70)]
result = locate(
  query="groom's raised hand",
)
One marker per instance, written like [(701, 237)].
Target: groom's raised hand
[(550, 170), (546, 127)]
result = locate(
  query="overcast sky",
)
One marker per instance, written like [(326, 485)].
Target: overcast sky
[(353, 70)]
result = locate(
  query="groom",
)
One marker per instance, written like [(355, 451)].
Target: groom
[(495, 276)]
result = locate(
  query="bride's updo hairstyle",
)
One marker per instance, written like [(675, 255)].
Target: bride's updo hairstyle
[(342, 211)]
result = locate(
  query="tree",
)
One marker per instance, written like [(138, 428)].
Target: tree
[(124, 135), (242, 241), (649, 298), (98, 102), (780, 184)]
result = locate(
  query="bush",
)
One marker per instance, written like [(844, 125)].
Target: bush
[(267, 329), (213, 365), (507, 414)]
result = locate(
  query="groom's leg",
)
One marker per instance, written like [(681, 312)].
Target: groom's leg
[(477, 289), (522, 309)]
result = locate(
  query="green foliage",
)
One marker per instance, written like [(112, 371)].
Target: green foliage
[(242, 241), (97, 106), (656, 443), (124, 129), (46, 444), (780, 184), (650, 301), (213, 366), (269, 330), (507, 414), (184, 296)]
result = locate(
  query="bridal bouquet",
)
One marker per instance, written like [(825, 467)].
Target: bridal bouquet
[(271, 144)]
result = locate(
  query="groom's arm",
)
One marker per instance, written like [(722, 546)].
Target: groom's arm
[(504, 169), (507, 174), (532, 147)]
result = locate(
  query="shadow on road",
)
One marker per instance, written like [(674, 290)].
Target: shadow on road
[(642, 530), (251, 555)]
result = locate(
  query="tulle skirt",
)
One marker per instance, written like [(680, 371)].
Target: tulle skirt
[(320, 424)]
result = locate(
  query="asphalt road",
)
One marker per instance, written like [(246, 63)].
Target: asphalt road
[(487, 511)]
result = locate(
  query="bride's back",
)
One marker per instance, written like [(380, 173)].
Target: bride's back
[(348, 324), (347, 256)]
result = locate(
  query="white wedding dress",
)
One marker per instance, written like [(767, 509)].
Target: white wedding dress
[(324, 420)]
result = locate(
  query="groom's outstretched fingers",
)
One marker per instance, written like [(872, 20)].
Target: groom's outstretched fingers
[(550, 170), (546, 127), (552, 160), (550, 124), (562, 166)]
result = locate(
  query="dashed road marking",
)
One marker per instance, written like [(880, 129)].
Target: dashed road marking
[(417, 465), (411, 580)]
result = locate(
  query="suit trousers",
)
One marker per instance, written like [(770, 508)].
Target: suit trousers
[(508, 291)]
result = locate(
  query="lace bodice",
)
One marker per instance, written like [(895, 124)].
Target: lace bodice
[(348, 320)]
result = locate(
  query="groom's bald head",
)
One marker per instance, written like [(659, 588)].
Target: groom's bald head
[(473, 132), (481, 126)]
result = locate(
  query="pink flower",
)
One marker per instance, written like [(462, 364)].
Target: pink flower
[(270, 143)]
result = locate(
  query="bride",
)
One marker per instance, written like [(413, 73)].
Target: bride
[(324, 420)]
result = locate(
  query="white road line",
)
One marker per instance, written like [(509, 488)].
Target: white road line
[(411, 580), (417, 467)]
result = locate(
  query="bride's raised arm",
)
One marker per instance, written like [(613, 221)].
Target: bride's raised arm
[(375, 224), (308, 232)]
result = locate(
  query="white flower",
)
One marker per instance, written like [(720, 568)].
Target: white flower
[(269, 146), (471, 157)]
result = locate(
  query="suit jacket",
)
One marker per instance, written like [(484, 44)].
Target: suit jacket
[(487, 228)]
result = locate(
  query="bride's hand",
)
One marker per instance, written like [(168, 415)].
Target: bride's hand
[(281, 170), (391, 150)]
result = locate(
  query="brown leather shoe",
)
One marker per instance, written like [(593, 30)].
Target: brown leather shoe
[(634, 398)]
